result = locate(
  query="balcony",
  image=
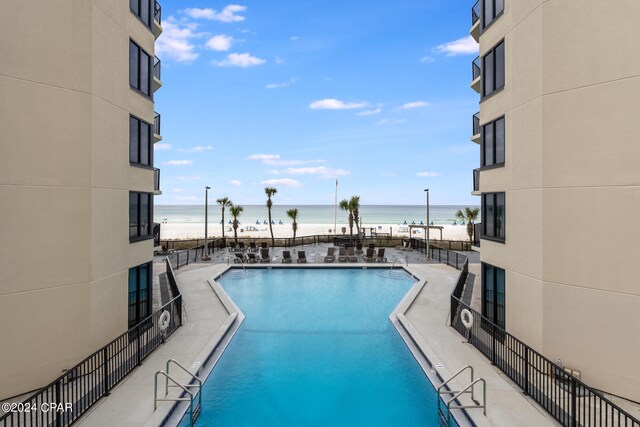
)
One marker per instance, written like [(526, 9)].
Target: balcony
[(156, 234), (157, 19), (475, 21), (156, 182), (157, 83), (156, 127), (476, 73), (476, 182), (475, 136)]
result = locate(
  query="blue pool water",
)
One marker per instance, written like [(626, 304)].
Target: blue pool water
[(317, 349)]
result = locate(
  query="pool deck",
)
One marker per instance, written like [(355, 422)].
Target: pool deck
[(208, 317)]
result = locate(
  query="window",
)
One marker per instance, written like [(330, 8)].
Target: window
[(140, 214), (139, 293), (140, 142), (142, 9), (493, 70), (491, 9), (493, 294), (492, 145), (493, 216), (139, 69)]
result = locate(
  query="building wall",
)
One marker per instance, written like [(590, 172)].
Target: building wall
[(572, 184), (64, 182)]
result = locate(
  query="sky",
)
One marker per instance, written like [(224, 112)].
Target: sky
[(296, 94)]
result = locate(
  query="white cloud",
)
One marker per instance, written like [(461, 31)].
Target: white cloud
[(287, 182), (228, 14), (280, 85), (175, 41), (197, 149), (427, 59), (221, 43), (162, 146), (388, 175), (178, 190), (234, 182), (386, 122), (188, 178), (263, 156), (428, 174), (336, 104), (369, 112), (242, 60), (178, 162), (319, 170), (187, 198), (411, 105), (294, 38), (464, 46), (274, 159)]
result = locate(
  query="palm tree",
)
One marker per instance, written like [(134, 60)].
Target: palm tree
[(293, 214), (224, 202), (470, 215), (354, 203), (346, 206), (235, 212), (270, 191)]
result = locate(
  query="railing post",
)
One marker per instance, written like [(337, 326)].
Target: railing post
[(138, 344), (493, 343), (58, 401), (105, 364), (574, 403), (457, 261), (177, 260), (526, 370)]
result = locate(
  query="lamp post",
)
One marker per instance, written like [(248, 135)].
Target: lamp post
[(205, 253), (426, 190)]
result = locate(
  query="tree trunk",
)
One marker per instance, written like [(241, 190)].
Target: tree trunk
[(470, 231), (350, 225), (295, 228), (235, 230), (223, 222), (273, 242)]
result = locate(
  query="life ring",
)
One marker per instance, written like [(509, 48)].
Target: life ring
[(467, 318), (164, 321)]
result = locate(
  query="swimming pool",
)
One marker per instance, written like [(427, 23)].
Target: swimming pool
[(317, 349)]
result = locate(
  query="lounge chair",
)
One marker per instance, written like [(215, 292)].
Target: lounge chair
[(331, 255), (232, 246), (370, 255), (264, 245), (286, 257), (380, 257), (372, 245), (264, 255), (406, 245), (302, 258), (342, 255), (241, 246), (351, 254), (359, 248), (251, 258), (239, 258), (252, 247)]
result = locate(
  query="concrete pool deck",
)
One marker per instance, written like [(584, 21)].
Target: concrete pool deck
[(207, 317)]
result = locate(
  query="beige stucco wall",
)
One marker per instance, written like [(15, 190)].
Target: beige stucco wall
[(572, 183), (64, 182)]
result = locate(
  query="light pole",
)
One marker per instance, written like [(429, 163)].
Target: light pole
[(205, 254), (426, 190)]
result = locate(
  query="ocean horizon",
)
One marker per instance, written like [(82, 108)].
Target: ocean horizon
[(313, 214)]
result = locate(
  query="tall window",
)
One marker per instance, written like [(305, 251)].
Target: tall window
[(491, 9), (493, 216), (142, 9), (492, 146), (493, 294), (139, 69), (139, 293), (493, 70), (140, 216), (140, 142)]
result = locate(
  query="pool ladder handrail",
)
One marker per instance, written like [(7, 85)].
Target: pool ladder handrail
[(469, 388), (193, 413)]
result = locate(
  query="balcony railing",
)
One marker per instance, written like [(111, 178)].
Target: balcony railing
[(156, 68), (475, 13), (476, 180), (476, 124), (475, 68), (156, 234), (157, 12), (156, 179), (477, 232), (156, 123)]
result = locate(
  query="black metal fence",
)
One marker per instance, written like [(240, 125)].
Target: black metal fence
[(157, 12), (475, 68), (567, 399), (156, 67), (156, 123), (66, 399), (477, 231), (475, 13), (476, 123)]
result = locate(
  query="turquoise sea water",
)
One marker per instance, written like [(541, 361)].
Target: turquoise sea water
[(311, 214), (317, 349)]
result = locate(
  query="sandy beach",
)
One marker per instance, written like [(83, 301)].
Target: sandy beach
[(174, 231)]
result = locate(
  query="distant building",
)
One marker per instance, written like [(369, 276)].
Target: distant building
[(77, 79), (559, 178)]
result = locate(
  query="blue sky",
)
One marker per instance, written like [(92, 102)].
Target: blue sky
[(296, 94)]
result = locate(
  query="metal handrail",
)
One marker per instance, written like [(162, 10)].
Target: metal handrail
[(477, 405), (449, 380), (194, 377), (157, 399), (476, 69), (157, 64), (475, 13)]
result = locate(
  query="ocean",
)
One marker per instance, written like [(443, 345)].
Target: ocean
[(312, 214)]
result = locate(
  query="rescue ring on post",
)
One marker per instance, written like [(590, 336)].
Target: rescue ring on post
[(467, 318), (164, 321)]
